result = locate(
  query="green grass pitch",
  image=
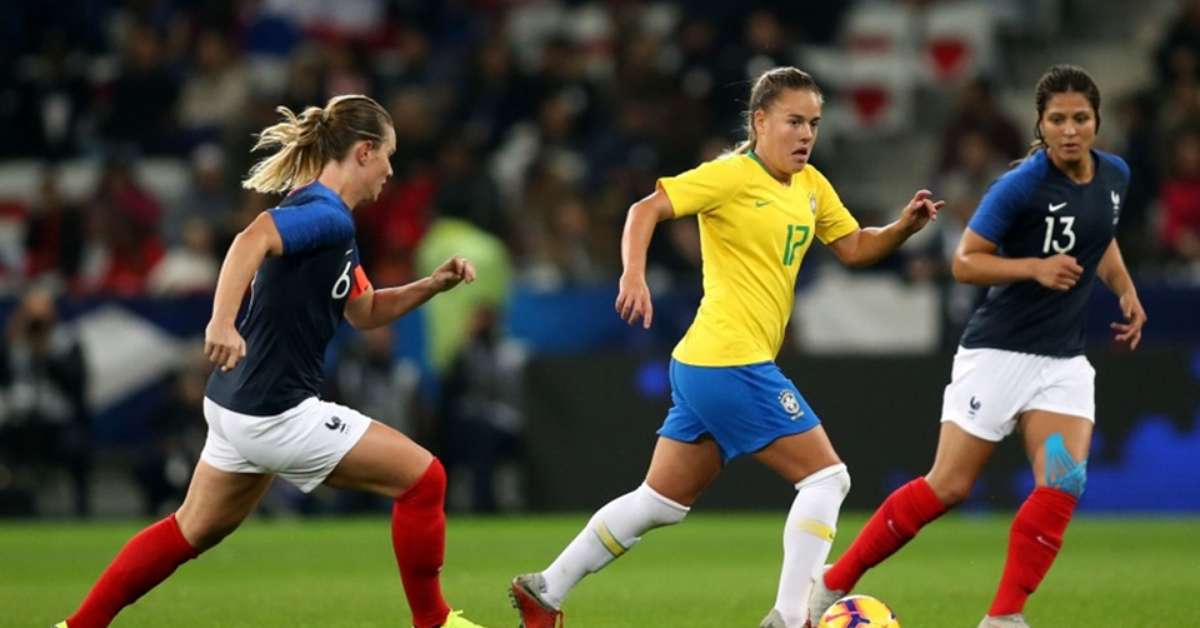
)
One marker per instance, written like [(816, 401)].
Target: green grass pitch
[(714, 570)]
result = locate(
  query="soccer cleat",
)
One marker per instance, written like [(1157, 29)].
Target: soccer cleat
[(821, 598), (775, 620), (525, 593), (1004, 621), (61, 624), (456, 620)]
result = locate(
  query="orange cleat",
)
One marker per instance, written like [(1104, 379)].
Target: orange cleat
[(525, 594)]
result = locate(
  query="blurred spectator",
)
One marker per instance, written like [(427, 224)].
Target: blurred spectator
[(44, 419), (1181, 199), (124, 242), (1140, 148), (978, 111), (207, 198), (1178, 54), (162, 466), (53, 101), (55, 236), (976, 165), (483, 420), (216, 92), (467, 191), (141, 105), (188, 268), (448, 317), (493, 96)]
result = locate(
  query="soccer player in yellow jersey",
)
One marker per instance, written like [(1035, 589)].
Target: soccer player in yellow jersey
[(759, 210)]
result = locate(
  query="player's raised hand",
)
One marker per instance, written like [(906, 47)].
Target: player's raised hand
[(223, 345), (452, 272), (633, 301), (1060, 272), (919, 211), (1135, 317)]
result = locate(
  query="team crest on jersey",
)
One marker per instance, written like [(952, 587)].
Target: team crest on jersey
[(975, 405), (790, 404), (1116, 201), (812, 202)]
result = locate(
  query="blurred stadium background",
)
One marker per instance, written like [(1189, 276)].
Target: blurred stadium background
[(525, 131)]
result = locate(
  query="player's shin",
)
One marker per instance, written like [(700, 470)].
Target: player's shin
[(893, 525), (419, 540), (612, 531), (807, 538), (1037, 530), (145, 561)]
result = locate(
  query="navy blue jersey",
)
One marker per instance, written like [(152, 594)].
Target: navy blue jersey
[(297, 300), (1034, 210)]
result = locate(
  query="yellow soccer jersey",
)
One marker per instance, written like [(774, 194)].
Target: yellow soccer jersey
[(754, 232)]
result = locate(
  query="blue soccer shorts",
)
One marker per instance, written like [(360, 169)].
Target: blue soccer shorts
[(743, 408)]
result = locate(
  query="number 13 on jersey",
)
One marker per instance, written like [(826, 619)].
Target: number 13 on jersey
[(1052, 240)]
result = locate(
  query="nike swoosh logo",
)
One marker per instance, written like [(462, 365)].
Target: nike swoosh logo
[(349, 251), (1054, 208), (1041, 539), (760, 203)]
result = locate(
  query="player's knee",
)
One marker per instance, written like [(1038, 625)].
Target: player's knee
[(950, 491), (429, 489), (835, 476), (1060, 470), (204, 535), (663, 510)]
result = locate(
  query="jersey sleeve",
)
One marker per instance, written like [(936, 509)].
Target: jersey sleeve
[(834, 221), (310, 227), (703, 188), (999, 206)]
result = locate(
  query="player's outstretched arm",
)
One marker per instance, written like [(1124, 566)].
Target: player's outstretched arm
[(633, 300), (867, 246), (1115, 275), (223, 345), (976, 263), (376, 308)]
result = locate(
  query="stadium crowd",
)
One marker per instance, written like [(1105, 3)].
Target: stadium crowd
[(526, 128)]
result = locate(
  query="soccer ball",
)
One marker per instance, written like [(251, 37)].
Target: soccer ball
[(859, 611)]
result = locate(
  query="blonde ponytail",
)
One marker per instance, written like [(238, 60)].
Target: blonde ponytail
[(308, 141)]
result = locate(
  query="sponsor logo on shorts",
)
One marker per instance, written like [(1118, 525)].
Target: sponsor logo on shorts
[(337, 425), (790, 404)]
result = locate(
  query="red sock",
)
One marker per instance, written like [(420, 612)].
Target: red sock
[(897, 521), (146, 560), (1033, 542), (419, 538)]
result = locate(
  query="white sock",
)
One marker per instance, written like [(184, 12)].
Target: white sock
[(807, 538), (611, 532)]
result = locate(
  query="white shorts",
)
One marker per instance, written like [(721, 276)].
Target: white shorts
[(990, 388), (301, 445)]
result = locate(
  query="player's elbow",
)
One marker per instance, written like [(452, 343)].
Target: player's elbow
[(651, 210), (961, 269)]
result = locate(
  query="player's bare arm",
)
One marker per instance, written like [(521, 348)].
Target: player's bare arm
[(1115, 275), (376, 308), (223, 345), (633, 300), (867, 246), (976, 262)]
